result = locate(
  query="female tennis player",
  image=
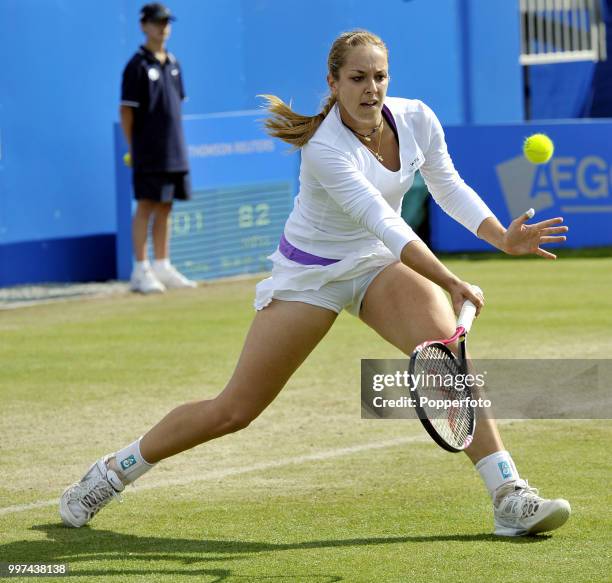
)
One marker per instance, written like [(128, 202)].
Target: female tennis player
[(345, 246)]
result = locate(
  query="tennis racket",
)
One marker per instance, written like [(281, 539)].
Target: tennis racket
[(442, 397)]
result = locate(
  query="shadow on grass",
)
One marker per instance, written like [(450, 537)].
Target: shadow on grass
[(72, 546)]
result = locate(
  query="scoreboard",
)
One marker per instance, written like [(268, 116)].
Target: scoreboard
[(229, 231), (244, 183)]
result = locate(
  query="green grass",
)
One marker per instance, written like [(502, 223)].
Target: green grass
[(81, 378)]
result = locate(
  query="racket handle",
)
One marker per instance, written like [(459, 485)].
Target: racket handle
[(468, 312)]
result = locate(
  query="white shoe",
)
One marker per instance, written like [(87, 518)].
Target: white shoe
[(520, 511), (171, 278), (145, 282), (84, 499)]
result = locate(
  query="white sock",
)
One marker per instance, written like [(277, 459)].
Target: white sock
[(497, 470), (140, 266), (130, 462), (161, 263)]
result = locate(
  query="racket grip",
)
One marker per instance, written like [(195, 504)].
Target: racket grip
[(468, 312)]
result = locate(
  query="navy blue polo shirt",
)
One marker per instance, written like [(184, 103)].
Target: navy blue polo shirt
[(155, 91)]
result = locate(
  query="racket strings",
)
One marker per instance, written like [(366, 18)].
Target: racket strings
[(442, 380)]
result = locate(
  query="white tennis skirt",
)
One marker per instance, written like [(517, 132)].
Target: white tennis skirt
[(288, 275)]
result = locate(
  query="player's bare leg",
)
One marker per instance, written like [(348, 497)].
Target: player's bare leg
[(407, 309), (281, 337), (279, 340)]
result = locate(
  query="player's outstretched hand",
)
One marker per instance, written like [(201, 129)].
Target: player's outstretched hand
[(523, 239)]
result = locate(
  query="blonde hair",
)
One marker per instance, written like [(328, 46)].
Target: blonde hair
[(297, 129)]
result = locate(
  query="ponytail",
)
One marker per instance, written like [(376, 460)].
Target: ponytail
[(289, 126)]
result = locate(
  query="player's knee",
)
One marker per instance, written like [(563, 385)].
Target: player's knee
[(232, 419), (241, 420)]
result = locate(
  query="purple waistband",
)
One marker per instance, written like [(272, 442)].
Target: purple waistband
[(301, 257)]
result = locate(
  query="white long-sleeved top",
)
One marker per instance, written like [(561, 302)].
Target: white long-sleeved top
[(348, 200)]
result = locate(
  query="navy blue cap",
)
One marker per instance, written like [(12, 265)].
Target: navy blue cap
[(155, 12)]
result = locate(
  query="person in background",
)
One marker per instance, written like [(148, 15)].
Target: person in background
[(151, 98)]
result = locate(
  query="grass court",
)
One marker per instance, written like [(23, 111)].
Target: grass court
[(309, 492)]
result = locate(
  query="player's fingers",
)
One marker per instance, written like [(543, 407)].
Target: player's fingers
[(545, 254), (559, 239), (477, 291), (477, 298), (549, 222), (525, 217), (554, 230)]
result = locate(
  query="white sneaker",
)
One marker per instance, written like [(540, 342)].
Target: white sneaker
[(84, 499), (145, 282), (171, 278), (520, 511)]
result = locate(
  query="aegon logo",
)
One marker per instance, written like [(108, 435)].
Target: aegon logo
[(576, 185)]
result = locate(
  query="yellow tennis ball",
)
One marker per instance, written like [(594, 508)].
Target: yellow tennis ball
[(127, 159), (538, 148)]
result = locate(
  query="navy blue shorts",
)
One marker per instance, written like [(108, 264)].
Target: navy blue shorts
[(162, 186)]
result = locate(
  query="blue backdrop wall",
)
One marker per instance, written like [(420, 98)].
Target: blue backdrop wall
[(60, 79)]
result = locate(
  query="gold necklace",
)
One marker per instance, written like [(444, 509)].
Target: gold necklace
[(365, 137), (377, 153)]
